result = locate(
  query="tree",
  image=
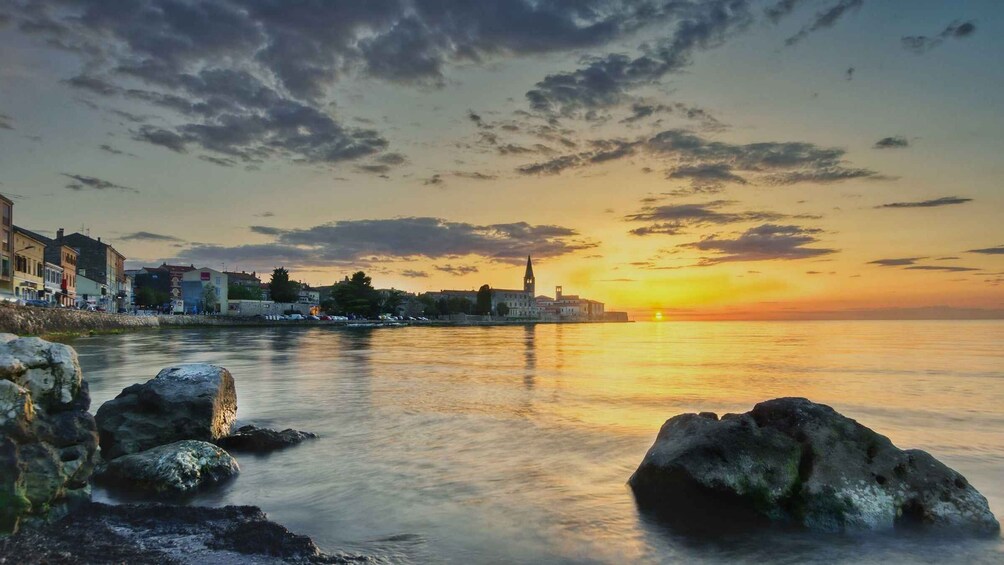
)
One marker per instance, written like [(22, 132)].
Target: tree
[(209, 299), (455, 305), (145, 296), (483, 306), (392, 301), (429, 305), (241, 292), (357, 296), (283, 289), (502, 309)]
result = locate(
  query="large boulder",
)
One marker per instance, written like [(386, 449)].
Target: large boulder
[(193, 401), (47, 437), (255, 439), (175, 468), (795, 462)]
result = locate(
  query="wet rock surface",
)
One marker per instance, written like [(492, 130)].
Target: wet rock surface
[(793, 462), (176, 468), (193, 401), (161, 534), (47, 437), (254, 439)]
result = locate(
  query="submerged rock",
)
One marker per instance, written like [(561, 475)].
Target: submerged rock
[(193, 401), (157, 535), (175, 468), (47, 437), (253, 438), (795, 462)]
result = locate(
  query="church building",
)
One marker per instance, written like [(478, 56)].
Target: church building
[(521, 303)]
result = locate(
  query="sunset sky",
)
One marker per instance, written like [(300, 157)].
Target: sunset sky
[(704, 159)]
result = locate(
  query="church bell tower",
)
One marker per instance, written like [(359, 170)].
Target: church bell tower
[(529, 282)]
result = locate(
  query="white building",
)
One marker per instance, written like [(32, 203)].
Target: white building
[(53, 282), (193, 291), (91, 293), (570, 307)]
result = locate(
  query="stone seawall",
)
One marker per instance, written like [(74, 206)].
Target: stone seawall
[(28, 320)]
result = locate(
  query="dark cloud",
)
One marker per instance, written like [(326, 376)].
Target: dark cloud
[(641, 111), (675, 219), (825, 19), (413, 274), (353, 241), (223, 162), (780, 9), (896, 262), (373, 168), (772, 163), (434, 180), (999, 250), (849, 73), (109, 149), (457, 270), (383, 164), (266, 215), (5, 121), (910, 263), (921, 44), (706, 176), (473, 175), (266, 230), (162, 137), (605, 81), (147, 236), (513, 149), (392, 159), (762, 243), (894, 142), (943, 201), (947, 269), (250, 77), (84, 182)]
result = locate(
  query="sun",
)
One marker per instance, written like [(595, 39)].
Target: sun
[(658, 316)]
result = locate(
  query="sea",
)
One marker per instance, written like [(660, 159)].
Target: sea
[(513, 444)]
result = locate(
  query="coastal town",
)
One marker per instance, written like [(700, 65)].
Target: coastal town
[(76, 270)]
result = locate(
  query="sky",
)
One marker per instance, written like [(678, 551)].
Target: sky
[(716, 159)]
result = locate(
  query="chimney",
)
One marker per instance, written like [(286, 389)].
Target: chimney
[(59, 233), (99, 239)]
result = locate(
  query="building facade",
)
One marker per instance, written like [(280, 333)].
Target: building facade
[(194, 286), (101, 264), (53, 284), (6, 248), (570, 307), (29, 265), (64, 257)]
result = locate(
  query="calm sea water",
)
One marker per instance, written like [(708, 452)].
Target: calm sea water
[(513, 444)]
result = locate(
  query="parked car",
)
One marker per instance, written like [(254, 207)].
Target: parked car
[(37, 303), (296, 317)]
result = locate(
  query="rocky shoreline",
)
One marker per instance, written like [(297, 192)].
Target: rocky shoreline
[(158, 534), (157, 438)]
